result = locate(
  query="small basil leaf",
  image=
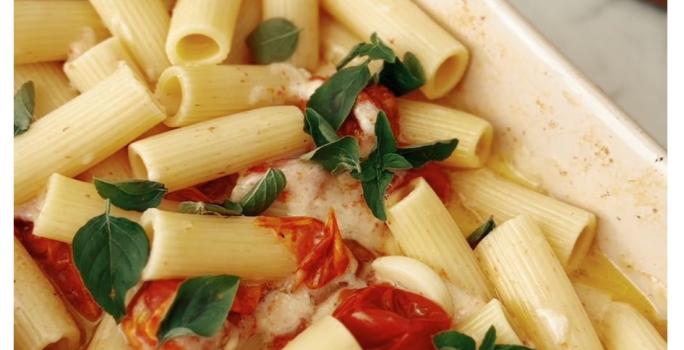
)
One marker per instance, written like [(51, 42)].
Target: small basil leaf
[(24, 103), (419, 155), (369, 170), (376, 50), (320, 130), (200, 307), (264, 193), (232, 207), (404, 76), (385, 142), (374, 193), (110, 254), (453, 340), (511, 347), (131, 195), (201, 208), (335, 99), (274, 40), (489, 340), (339, 156), (481, 232), (393, 161)]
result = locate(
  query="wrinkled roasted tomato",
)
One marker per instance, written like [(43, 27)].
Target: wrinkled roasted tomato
[(382, 317), (433, 173), (214, 191), (383, 99), (54, 258)]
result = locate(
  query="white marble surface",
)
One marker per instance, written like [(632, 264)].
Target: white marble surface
[(621, 45)]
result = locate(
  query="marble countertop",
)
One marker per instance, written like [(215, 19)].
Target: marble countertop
[(621, 45)]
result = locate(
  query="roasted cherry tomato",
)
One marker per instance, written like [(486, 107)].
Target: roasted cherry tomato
[(433, 173), (383, 99), (214, 191)]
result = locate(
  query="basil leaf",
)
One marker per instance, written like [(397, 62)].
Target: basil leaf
[(264, 193), (320, 130), (385, 142), (489, 340), (419, 155), (274, 40), (376, 50), (393, 161), (227, 209), (453, 340), (511, 347), (131, 195), (481, 232), (403, 77), (24, 103), (374, 193), (200, 307), (339, 156), (335, 99), (110, 254)]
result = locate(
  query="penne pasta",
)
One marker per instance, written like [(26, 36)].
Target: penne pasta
[(205, 151), (328, 333), (304, 15), (531, 284), (201, 32), (185, 245), (98, 63), (569, 230), (108, 336), (51, 86), (249, 18), (407, 29), (422, 123), (336, 40), (624, 328), (83, 132), (41, 320), (49, 30), (493, 314), (116, 167), (142, 26)]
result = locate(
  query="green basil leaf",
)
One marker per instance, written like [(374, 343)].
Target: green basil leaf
[(404, 76), (453, 340), (370, 169), (419, 155), (320, 130), (511, 347), (274, 40), (264, 193), (393, 161), (335, 99), (481, 232), (24, 103), (376, 50), (339, 156), (374, 193), (227, 209), (385, 142), (200, 307), (131, 195), (110, 254), (489, 340)]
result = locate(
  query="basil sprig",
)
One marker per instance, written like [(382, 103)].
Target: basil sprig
[(200, 307), (318, 127), (481, 232), (419, 155), (110, 254), (132, 195), (404, 76), (339, 156), (375, 50), (452, 340), (274, 40), (24, 105), (335, 99)]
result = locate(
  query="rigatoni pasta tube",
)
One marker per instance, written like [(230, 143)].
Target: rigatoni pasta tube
[(142, 26), (534, 288), (41, 319), (205, 151), (493, 314), (193, 94), (185, 245), (406, 28), (201, 32), (116, 168), (249, 18), (108, 336), (426, 231), (45, 30), (99, 62), (304, 15), (328, 333), (83, 132), (336, 40), (422, 123), (51, 86), (569, 229), (624, 328)]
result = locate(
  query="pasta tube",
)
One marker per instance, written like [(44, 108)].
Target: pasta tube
[(406, 28), (83, 132), (532, 285), (201, 31), (249, 18), (46, 30), (422, 123), (336, 40), (304, 15), (185, 245), (99, 62), (205, 151), (328, 333), (426, 231), (51, 86), (41, 319), (116, 168), (142, 26), (108, 336), (624, 328), (493, 314), (569, 230)]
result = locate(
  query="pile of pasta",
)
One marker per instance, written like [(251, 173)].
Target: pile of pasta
[(262, 174)]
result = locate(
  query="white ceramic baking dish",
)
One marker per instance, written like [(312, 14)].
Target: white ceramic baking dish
[(559, 129)]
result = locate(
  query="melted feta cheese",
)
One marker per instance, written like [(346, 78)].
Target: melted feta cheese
[(281, 313)]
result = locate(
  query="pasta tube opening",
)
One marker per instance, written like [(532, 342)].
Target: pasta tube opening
[(170, 91), (198, 47), (447, 75)]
